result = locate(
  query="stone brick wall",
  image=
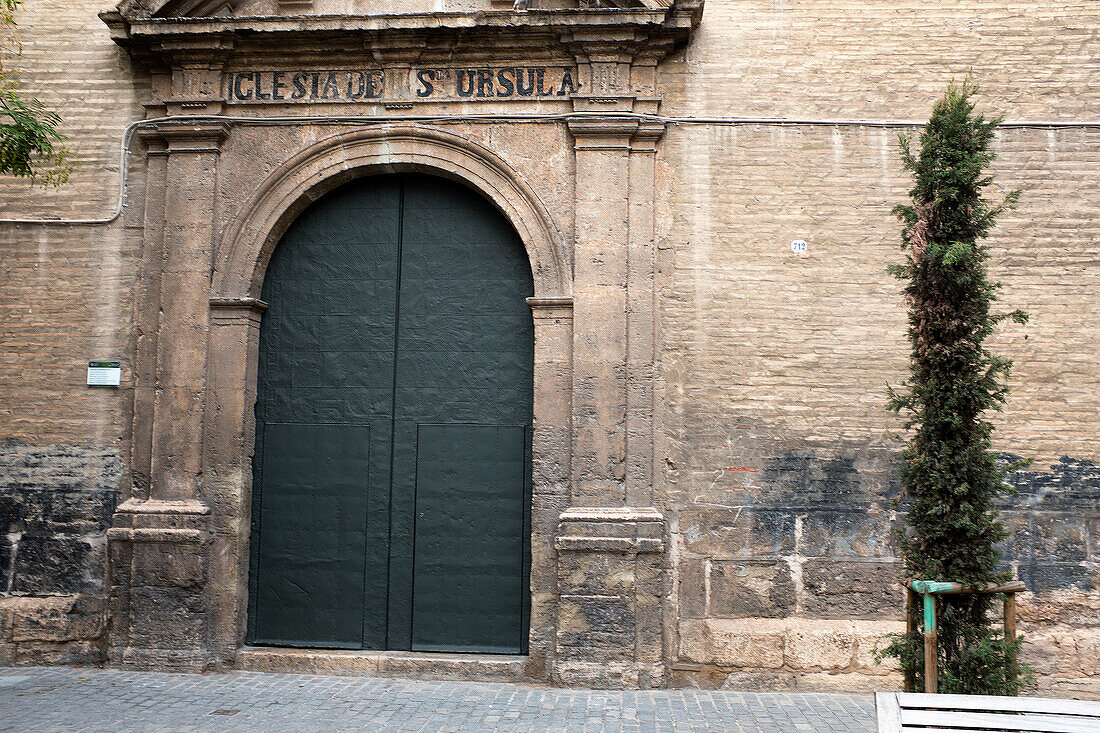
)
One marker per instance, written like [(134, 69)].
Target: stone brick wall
[(65, 298), (69, 62), (777, 466), (55, 505), (780, 468)]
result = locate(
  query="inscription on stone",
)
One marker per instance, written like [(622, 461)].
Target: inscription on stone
[(423, 84)]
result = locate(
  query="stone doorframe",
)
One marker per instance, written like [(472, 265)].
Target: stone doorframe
[(241, 258), (178, 547), (180, 564)]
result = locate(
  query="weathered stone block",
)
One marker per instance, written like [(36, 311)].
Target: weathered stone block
[(800, 479), (1042, 538), (732, 644), (167, 618), (167, 564), (56, 564), (758, 590), (596, 627), (819, 648), (748, 533), (851, 683), (57, 618), (72, 511), (6, 547), (58, 653), (868, 640), (1049, 577), (692, 589), (846, 534), (758, 681), (7, 617), (611, 676), (582, 573), (852, 589)]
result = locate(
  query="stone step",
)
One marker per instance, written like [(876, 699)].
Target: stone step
[(410, 665)]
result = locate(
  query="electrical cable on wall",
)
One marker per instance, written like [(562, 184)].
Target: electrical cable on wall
[(130, 129)]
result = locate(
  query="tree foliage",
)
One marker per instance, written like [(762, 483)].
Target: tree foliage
[(30, 145), (950, 474)]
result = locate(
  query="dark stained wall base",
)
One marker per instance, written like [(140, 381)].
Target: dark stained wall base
[(794, 583), (56, 503)]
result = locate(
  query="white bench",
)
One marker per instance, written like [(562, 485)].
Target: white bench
[(919, 712)]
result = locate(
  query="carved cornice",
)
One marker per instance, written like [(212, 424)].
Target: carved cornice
[(587, 35), (189, 136)]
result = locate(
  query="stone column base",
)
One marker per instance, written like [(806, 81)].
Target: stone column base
[(610, 582), (158, 576)]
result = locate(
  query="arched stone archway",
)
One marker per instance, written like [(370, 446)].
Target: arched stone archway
[(245, 246), (241, 254)]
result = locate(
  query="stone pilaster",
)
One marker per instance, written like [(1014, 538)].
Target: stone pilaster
[(228, 441), (641, 323), (602, 190), (611, 563), (158, 541)]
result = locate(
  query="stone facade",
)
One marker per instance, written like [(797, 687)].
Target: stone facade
[(714, 475)]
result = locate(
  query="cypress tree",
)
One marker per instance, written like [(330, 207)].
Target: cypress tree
[(950, 475)]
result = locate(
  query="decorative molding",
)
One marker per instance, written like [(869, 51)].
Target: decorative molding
[(163, 506), (559, 307), (249, 304), (245, 245), (153, 535), (611, 514), (625, 33), (611, 529), (190, 136), (295, 6)]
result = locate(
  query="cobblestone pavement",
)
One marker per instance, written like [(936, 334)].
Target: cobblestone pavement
[(59, 699)]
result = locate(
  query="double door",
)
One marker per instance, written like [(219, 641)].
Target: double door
[(394, 396)]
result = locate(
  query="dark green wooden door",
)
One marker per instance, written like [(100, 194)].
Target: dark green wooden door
[(393, 431)]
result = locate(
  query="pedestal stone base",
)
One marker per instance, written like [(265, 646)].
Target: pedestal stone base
[(610, 581), (158, 586)]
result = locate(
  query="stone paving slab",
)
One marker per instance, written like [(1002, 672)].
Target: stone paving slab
[(57, 699)]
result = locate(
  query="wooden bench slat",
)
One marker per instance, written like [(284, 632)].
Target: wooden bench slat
[(990, 702), (922, 729), (977, 721), (888, 712)]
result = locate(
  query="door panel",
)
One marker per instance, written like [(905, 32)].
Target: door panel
[(313, 529), (399, 302), (468, 567), (326, 356)]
